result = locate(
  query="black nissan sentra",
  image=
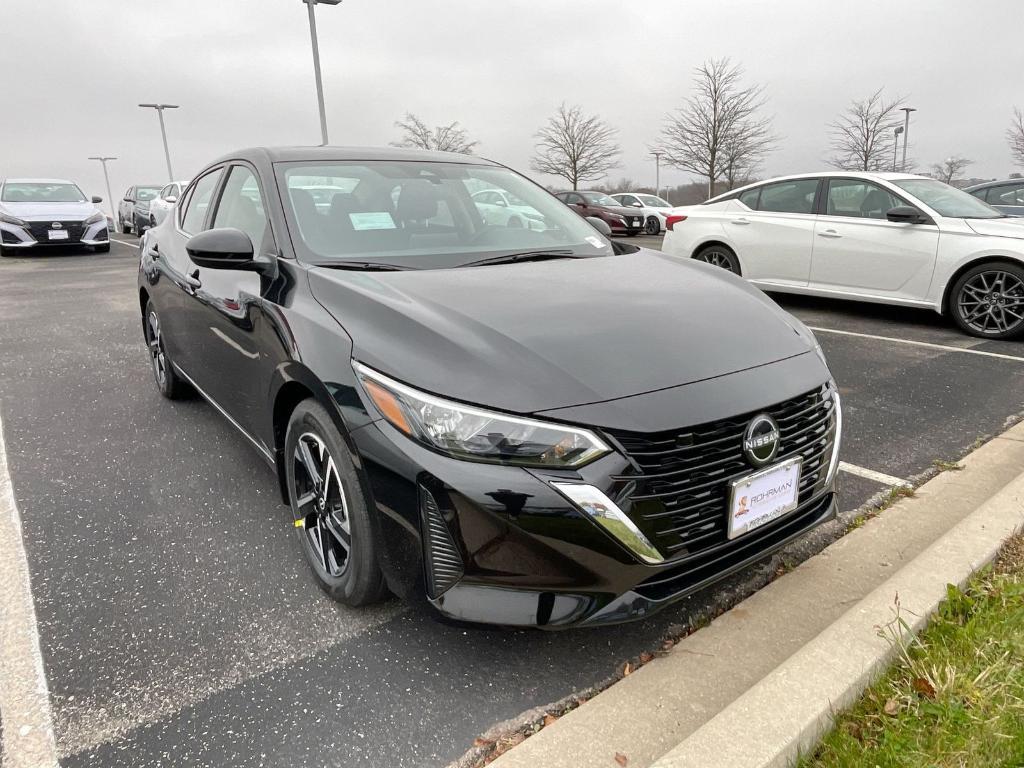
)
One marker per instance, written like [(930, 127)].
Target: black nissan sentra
[(526, 426)]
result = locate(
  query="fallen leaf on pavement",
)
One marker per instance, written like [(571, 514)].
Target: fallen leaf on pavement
[(621, 759), (549, 719), (645, 657), (627, 669), (479, 741), (891, 707)]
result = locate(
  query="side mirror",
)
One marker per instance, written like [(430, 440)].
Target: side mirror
[(600, 225), (97, 199), (171, 199), (638, 205), (501, 203), (228, 248), (127, 199), (905, 214)]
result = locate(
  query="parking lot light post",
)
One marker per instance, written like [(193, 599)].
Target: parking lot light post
[(106, 177), (163, 133), (657, 173), (310, 5), (906, 134)]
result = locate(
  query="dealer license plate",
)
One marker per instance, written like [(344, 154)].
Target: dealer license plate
[(767, 495), (58, 234)]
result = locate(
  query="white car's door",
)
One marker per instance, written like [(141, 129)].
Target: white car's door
[(158, 207), (858, 251), (773, 228)]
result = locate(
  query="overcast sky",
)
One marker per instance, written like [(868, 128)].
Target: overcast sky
[(73, 72)]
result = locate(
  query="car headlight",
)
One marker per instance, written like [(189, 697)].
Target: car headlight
[(475, 434), (13, 220), (94, 219)]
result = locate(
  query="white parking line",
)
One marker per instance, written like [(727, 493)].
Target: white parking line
[(870, 474), (28, 740), (944, 347)]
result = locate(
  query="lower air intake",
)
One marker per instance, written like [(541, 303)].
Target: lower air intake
[(444, 565)]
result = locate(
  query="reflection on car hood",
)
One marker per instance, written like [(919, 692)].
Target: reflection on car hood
[(540, 335), (47, 211), (1012, 227)]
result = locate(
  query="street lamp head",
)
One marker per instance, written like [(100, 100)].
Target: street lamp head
[(160, 106), (898, 130)]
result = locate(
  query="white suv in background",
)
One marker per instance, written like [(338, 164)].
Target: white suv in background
[(653, 208), (164, 202), (882, 237)]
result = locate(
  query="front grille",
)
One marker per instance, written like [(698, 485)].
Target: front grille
[(679, 497), (41, 231)]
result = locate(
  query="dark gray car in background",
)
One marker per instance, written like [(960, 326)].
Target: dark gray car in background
[(133, 210)]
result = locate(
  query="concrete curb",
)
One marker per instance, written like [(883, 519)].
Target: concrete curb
[(656, 709), (785, 714)]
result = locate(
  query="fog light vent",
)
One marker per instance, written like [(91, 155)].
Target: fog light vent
[(444, 565)]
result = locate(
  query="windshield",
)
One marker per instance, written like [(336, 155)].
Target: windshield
[(597, 198), (948, 201), (424, 215), (142, 194), (41, 192), (654, 201)]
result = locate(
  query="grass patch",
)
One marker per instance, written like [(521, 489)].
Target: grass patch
[(955, 696), (947, 466)]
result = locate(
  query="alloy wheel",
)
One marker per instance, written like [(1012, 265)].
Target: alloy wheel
[(156, 348), (716, 257), (992, 302), (652, 226), (321, 505)]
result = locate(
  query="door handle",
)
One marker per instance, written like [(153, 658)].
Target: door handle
[(740, 221), (192, 278), (830, 233)]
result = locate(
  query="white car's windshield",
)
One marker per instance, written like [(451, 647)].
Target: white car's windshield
[(653, 201), (142, 194), (36, 192), (424, 215), (948, 201)]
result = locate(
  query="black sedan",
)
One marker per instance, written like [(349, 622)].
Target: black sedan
[(528, 427)]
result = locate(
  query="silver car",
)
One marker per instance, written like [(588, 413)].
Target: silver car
[(38, 213)]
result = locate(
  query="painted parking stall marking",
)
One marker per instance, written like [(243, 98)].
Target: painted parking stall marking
[(28, 740), (928, 344), (871, 474)]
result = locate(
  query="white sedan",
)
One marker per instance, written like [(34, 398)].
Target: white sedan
[(654, 209), (882, 237), (500, 208), (164, 202)]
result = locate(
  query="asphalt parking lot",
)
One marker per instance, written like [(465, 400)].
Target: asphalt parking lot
[(177, 622)]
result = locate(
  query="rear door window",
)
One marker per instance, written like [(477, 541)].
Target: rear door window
[(795, 196)]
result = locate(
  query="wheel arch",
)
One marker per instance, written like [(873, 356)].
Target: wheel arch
[(719, 242), (292, 383), (988, 258)]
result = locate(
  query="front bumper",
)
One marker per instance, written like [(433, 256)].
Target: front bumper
[(20, 238), (501, 545)]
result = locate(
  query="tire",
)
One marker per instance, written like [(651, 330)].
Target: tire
[(170, 384), (514, 222), (330, 511), (140, 228), (719, 256), (652, 226), (125, 228), (101, 248), (632, 232), (987, 300), (6, 253)]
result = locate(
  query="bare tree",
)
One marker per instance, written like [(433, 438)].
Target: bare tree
[(950, 169), (863, 136), (1015, 135), (625, 184), (718, 131), (443, 138), (575, 147)]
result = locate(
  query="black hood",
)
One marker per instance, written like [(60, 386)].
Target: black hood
[(540, 335)]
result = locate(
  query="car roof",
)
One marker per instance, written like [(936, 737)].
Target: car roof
[(37, 181), (993, 183), (870, 175), (333, 153)]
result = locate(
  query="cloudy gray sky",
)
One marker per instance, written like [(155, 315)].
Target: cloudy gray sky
[(74, 70)]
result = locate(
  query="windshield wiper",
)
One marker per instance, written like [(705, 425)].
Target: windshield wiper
[(513, 258), (363, 266)]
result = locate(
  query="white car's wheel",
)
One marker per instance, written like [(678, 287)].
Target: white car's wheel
[(652, 226), (718, 256)]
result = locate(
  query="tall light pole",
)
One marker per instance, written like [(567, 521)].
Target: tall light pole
[(163, 132), (897, 131), (906, 135), (106, 176), (310, 5), (657, 173)]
